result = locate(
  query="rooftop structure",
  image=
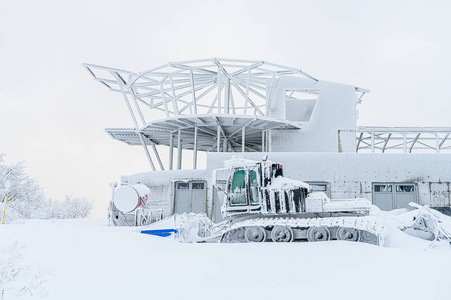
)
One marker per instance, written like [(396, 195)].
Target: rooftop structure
[(225, 105)]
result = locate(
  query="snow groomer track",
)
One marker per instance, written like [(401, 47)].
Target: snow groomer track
[(288, 229)]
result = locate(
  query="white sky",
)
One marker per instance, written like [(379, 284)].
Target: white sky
[(53, 114)]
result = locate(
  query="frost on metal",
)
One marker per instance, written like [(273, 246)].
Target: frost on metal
[(279, 214), (421, 222), (262, 205), (281, 183), (129, 207), (321, 187)]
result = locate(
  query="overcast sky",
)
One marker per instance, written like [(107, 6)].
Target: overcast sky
[(53, 114)]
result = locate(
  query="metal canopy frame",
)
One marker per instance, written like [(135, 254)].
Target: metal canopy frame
[(216, 85), (220, 133), (404, 139), (232, 131), (214, 104)]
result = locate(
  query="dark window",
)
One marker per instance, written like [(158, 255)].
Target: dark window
[(319, 188), (198, 185), (383, 188), (405, 188), (238, 189), (182, 185), (253, 185)]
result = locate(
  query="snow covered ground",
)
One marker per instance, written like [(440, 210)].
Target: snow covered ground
[(86, 259)]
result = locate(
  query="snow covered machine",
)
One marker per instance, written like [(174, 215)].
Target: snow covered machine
[(262, 205)]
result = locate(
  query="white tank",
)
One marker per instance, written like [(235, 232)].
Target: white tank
[(127, 198)]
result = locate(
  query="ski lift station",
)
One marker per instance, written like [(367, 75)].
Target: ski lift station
[(226, 108)]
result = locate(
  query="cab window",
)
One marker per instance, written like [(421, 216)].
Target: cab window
[(253, 185), (238, 188)]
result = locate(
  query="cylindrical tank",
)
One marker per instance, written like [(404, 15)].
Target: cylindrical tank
[(127, 198)]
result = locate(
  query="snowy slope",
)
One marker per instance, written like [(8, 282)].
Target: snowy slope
[(86, 259)]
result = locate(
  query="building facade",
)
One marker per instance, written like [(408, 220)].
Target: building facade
[(253, 108)]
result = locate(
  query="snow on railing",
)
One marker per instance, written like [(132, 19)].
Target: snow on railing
[(403, 139)]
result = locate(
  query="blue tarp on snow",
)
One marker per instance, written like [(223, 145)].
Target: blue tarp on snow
[(160, 232)]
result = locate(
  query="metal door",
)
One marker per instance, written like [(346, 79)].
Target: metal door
[(388, 196), (218, 200), (182, 197), (383, 196), (198, 197), (190, 197), (404, 194)]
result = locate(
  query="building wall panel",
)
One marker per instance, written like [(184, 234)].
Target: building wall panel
[(352, 175)]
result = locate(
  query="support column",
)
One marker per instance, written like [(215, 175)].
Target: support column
[(219, 90), (137, 107), (179, 153), (129, 107), (243, 138), (227, 96), (193, 92), (157, 156), (130, 110), (263, 141), (171, 151), (224, 145), (146, 151), (267, 140), (195, 149), (218, 139)]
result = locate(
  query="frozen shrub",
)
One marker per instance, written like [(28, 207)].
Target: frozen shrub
[(26, 198), (71, 208)]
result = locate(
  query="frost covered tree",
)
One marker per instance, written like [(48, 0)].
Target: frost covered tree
[(26, 198), (70, 208)]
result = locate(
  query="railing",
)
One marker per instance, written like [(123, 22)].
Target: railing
[(403, 139)]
